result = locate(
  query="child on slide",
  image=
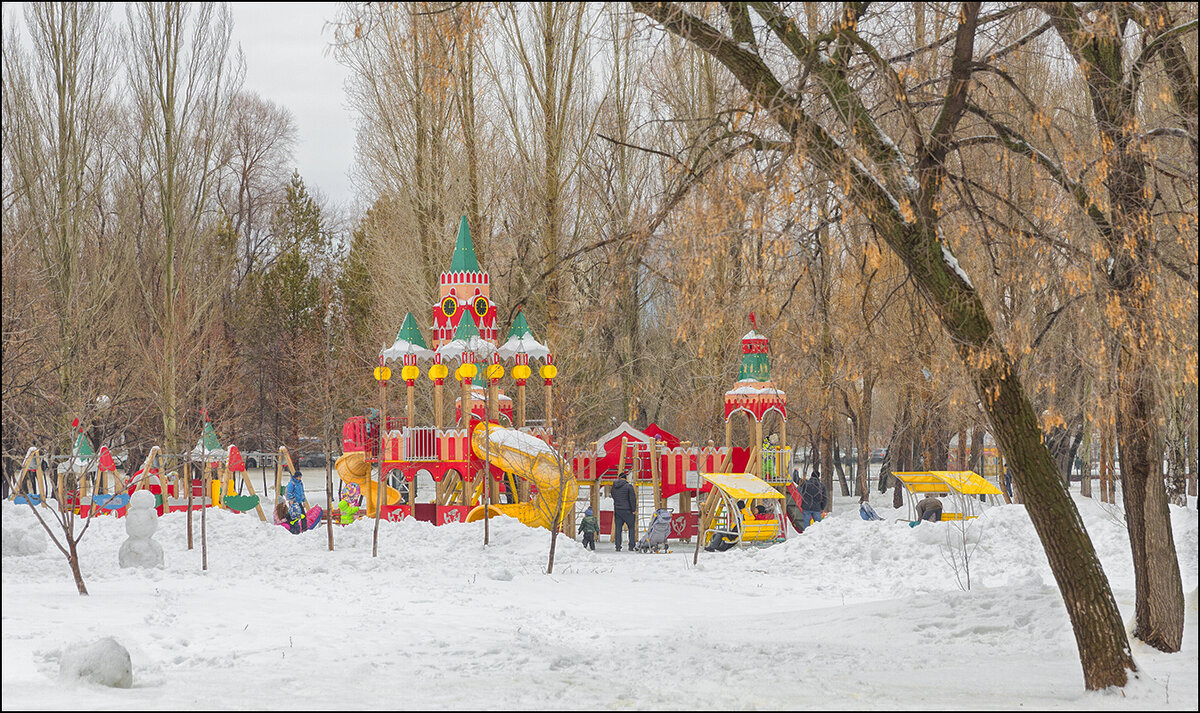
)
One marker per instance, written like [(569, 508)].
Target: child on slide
[(350, 503)]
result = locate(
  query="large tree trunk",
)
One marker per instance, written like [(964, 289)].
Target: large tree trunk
[(1158, 584), (1099, 47)]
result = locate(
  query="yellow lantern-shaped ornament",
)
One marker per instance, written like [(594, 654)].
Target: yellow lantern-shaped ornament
[(494, 372), (466, 371), (521, 372), (410, 373), (548, 372), (438, 372)]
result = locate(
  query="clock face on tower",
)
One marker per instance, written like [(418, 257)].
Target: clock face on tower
[(481, 305), (449, 306)]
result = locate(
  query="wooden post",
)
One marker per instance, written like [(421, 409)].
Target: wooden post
[(754, 465), (328, 496), (729, 434), (549, 402), (439, 408), (204, 519), (250, 487), (569, 514), (411, 403), (467, 408), (783, 441), (187, 478), (381, 487), (685, 505), (520, 414), (654, 474), (493, 393)]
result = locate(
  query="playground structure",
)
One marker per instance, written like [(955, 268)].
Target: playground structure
[(88, 482), (736, 524), (966, 489), (489, 452)]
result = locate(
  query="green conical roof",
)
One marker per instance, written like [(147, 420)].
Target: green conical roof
[(464, 251), (466, 329), (83, 447), (211, 442), (519, 327), (410, 333)]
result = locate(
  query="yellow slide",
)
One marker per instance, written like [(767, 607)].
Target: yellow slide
[(528, 457), (353, 467)]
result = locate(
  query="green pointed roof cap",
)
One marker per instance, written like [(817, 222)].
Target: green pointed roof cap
[(211, 442), (83, 447), (410, 333), (464, 251), (519, 327), (466, 329)]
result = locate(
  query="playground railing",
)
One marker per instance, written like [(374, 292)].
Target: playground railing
[(420, 444)]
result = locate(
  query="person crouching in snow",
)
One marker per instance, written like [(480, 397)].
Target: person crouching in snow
[(930, 508), (349, 504), (590, 527)]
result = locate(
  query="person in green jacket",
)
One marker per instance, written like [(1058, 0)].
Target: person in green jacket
[(349, 504), (590, 527)]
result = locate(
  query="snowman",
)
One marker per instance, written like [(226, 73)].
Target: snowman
[(141, 520)]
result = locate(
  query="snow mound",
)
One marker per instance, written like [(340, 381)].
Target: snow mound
[(103, 662), (20, 542)]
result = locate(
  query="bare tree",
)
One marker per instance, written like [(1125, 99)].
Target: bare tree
[(182, 79), (58, 119)]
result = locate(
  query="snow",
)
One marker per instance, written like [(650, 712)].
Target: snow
[(751, 391), (401, 347), (524, 344), (851, 614), (752, 335), (478, 346), (209, 455), (882, 188), (953, 263), (22, 541), (104, 662), (519, 441)]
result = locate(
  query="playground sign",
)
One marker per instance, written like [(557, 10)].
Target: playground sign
[(396, 513)]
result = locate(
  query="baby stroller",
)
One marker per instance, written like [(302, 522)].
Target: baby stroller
[(656, 534)]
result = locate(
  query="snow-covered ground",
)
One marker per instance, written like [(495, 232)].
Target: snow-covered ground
[(851, 615)]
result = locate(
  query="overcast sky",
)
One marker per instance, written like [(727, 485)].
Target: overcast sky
[(287, 62)]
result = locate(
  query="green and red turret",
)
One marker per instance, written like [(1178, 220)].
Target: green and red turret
[(465, 289), (754, 393)]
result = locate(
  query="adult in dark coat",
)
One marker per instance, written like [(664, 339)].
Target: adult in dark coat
[(813, 499), (624, 506)]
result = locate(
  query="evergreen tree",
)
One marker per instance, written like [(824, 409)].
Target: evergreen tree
[(354, 287)]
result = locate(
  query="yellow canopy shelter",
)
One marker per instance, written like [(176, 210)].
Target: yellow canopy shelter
[(738, 525), (964, 485), (742, 486)]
